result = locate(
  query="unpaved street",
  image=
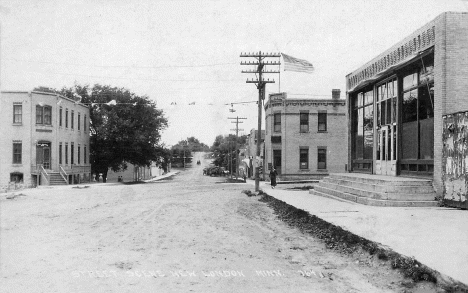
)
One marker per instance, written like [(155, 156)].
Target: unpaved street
[(187, 234)]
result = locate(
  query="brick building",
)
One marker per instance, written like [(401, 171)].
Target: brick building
[(402, 102), (44, 139), (305, 138)]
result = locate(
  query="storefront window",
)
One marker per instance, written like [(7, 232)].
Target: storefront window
[(363, 122), (410, 80), (410, 101)]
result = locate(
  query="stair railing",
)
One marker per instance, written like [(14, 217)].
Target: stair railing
[(63, 174), (43, 171)]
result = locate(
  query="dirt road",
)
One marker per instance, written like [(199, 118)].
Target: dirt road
[(188, 234)]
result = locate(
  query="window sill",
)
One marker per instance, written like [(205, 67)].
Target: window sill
[(44, 125), (322, 131), (304, 170), (17, 165), (17, 124), (322, 170)]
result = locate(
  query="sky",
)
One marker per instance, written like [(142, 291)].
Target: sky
[(184, 54)]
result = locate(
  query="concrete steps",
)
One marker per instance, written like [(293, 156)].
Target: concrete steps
[(377, 190), (56, 179)]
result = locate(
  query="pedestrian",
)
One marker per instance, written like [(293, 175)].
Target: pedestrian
[(273, 175)]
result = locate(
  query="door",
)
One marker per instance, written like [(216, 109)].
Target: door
[(277, 160), (386, 152), (43, 155)]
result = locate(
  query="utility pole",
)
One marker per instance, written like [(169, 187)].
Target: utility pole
[(237, 138), (260, 84)]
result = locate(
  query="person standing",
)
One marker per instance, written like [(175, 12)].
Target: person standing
[(273, 175)]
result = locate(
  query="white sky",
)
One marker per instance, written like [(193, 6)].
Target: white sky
[(188, 51)]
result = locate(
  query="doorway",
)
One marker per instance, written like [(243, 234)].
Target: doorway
[(386, 150), (277, 160), (43, 154)]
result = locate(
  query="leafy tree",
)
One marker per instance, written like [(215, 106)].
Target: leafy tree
[(181, 152), (126, 132), (224, 147)]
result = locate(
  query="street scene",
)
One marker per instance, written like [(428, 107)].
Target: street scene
[(184, 233), (233, 146)]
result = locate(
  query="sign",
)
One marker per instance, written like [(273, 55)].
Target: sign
[(270, 166), (277, 97)]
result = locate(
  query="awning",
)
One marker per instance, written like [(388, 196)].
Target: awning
[(390, 70)]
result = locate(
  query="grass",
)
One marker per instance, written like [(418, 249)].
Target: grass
[(338, 239)]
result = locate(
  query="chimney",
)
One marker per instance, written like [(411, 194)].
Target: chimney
[(336, 94)]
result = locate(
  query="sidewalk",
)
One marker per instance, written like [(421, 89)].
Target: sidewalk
[(435, 236)]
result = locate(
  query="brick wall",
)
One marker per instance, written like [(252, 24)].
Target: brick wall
[(334, 139)]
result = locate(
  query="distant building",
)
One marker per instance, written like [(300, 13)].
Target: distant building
[(305, 138), (135, 173), (250, 152), (44, 139)]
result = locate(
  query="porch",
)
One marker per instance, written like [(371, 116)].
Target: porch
[(63, 176)]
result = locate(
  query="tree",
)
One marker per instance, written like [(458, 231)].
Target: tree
[(181, 153), (128, 131), (224, 147)]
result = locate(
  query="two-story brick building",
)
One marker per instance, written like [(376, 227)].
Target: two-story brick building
[(305, 138), (44, 139)]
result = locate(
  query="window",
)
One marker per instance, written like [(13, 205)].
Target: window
[(17, 114), (84, 155), (39, 114), (66, 153), (72, 153), (60, 153), (304, 158), (363, 124), (277, 122), (17, 152), (79, 154), (43, 115), (304, 121), (322, 121), (16, 177), (321, 158), (72, 120), (84, 123), (60, 116), (66, 118), (79, 120)]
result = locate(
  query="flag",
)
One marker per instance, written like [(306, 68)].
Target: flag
[(113, 102), (294, 64), (192, 103)]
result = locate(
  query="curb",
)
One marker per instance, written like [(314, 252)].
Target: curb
[(337, 238)]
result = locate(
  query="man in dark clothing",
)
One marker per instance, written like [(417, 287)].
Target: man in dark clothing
[(273, 175)]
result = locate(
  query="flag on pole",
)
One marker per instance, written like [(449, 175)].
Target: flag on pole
[(295, 64), (113, 102)]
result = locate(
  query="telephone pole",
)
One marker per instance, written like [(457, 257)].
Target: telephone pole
[(260, 83), (237, 138)]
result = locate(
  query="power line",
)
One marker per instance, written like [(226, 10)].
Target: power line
[(120, 66)]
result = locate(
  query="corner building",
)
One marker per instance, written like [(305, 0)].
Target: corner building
[(45, 139), (305, 138), (402, 103)]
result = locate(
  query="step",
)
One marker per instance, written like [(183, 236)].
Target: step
[(424, 188), (381, 179), (376, 194), (344, 196)]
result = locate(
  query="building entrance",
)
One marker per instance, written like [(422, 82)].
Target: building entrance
[(43, 154), (386, 151)]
